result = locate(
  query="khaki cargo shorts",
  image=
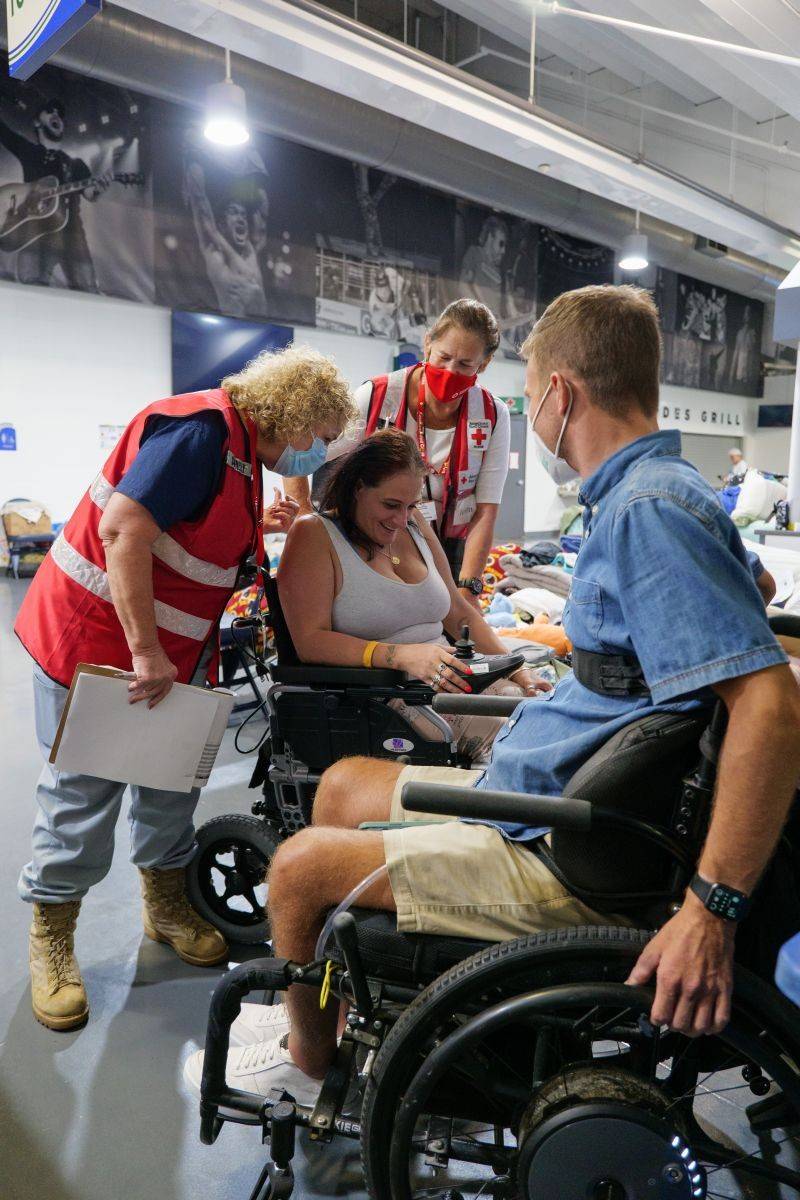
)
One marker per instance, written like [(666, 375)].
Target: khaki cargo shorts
[(465, 880)]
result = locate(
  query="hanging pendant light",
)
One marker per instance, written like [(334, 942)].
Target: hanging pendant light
[(633, 255), (226, 111)]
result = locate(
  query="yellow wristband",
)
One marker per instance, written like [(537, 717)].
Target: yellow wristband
[(369, 650)]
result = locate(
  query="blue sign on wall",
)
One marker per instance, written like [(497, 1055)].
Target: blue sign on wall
[(8, 437), (37, 29)]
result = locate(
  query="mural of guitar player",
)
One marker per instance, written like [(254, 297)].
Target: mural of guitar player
[(67, 159)]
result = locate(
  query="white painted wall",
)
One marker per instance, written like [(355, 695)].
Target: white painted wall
[(69, 363), (768, 449)]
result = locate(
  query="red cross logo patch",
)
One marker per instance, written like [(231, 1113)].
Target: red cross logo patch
[(478, 433)]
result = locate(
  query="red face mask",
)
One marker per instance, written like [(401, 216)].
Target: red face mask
[(447, 386)]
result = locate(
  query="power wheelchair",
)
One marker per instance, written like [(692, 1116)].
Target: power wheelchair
[(528, 1068), (317, 714)]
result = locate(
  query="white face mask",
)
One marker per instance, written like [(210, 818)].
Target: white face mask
[(557, 468)]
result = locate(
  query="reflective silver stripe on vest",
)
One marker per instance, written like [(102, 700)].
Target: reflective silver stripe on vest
[(101, 491), (73, 564), (95, 580), (174, 555), (395, 387), (170, 551)]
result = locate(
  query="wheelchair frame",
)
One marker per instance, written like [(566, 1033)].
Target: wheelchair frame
[(377, 1004)]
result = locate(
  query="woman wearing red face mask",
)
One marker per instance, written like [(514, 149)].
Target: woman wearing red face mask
[(463, 434)]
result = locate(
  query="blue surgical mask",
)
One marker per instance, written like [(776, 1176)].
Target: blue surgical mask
[(557, 467), (301, 462)]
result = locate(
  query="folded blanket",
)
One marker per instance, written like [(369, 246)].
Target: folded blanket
[(554, 579)]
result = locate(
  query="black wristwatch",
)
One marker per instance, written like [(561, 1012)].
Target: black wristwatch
[(472, 585), (724, 902)]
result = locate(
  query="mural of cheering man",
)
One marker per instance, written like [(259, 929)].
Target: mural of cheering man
[(231, 261), (61, 241)]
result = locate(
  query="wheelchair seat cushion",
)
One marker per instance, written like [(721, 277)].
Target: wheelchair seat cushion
[(413, 959)]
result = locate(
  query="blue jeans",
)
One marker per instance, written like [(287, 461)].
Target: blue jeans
[(73, 835)]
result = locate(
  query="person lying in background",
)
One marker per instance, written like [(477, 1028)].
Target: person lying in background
[(365, 582)]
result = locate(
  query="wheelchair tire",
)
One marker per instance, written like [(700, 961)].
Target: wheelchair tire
[(567, 955), (233, 854), (581, 954)]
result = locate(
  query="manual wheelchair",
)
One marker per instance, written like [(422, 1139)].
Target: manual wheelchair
[(528, 1068), (316, 714)]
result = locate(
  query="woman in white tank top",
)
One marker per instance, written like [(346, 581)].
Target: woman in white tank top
[(367, 583)]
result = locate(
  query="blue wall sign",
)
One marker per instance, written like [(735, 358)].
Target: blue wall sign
[(37, 29), (8, 437)]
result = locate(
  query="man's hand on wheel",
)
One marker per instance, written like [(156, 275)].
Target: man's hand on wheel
[(155, 675), (692, 959)]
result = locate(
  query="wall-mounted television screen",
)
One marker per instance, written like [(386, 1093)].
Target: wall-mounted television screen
[(774, 416), (206, 348)]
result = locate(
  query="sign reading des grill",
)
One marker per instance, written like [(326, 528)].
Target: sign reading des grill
[(37, 29)]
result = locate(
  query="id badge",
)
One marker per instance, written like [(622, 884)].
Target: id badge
[(428, 510), (478, 434), (464, 510)]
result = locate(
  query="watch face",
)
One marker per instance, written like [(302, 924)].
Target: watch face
[(725, 903)]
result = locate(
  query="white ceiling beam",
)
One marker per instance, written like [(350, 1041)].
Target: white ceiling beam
[(378, 73), (511, 20), (723, 74)]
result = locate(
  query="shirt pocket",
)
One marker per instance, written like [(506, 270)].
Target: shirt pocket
[(584, 613)]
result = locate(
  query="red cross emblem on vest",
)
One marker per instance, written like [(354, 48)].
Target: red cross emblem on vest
[(478, 434)]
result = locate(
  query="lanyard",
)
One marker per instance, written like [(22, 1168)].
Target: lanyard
[(422, 440)]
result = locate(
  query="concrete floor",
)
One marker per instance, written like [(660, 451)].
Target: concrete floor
[(100, 1113)]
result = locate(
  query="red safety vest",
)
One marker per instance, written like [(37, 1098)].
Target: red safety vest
[(389, 406), (68, 616)]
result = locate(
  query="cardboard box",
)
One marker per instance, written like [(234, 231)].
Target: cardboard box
[(17, 526)]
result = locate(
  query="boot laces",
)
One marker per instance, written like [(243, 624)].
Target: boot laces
[(61, 964), (173, 903)]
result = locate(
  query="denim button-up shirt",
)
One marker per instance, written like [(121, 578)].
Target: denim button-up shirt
[(661, 574)]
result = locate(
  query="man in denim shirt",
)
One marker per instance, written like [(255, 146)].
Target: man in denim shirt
[(662, 577)]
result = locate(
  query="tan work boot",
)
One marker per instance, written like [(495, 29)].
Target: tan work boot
[(57, 991), (168, 917)]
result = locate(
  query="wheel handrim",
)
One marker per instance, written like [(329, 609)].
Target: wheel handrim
[(721, 1163)]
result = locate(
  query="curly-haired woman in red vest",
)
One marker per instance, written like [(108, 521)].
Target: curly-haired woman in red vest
[(462, 432), (139, 579)]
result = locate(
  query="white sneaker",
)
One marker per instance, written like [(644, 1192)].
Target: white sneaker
[(259, 1068), (259, 1023)]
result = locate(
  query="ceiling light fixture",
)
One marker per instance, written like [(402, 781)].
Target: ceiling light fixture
[(633, 255), (226, 111)]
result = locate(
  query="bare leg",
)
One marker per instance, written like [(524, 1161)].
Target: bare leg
[(311, 873), (355, 790)]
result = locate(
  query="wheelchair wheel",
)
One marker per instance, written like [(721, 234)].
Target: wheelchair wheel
[(512, 1072), (225, 881)]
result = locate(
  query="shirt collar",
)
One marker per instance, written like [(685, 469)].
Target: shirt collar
[(608, 474)]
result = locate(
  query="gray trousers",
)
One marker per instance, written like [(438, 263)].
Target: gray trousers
[(73, 835)]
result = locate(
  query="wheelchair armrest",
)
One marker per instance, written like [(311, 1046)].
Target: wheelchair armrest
[(558, 812), (555, 812), (476, 706)]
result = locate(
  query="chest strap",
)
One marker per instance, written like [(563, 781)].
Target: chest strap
[(609, 674)]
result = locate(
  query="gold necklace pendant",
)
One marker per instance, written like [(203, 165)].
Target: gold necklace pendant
[(393, 559)]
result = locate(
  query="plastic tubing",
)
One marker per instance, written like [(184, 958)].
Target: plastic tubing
[(347, 903)]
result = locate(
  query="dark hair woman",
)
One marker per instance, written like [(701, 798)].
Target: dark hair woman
[(462, 433), (365, 581)]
